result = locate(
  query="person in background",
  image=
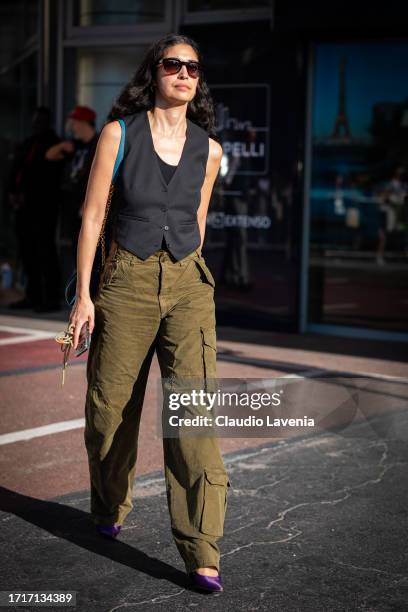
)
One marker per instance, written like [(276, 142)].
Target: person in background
[(32, 194), (77, 153)]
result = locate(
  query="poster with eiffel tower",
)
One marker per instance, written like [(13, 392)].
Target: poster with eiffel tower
[(359, 182)]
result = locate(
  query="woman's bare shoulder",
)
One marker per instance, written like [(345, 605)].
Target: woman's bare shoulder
[(215, 150), (111, 131)]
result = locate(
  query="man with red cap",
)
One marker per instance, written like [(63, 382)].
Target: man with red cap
[(78, 151)]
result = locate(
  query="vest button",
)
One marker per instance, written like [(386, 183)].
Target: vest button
[(164, 207), (166, 227)]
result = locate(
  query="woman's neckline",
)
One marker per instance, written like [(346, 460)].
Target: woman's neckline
[(183, 153), (166, 163)]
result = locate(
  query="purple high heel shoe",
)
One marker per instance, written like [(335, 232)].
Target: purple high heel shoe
[(109, 531), (206, 583)]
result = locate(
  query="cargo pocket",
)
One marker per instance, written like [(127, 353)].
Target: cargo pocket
[(216, 483), (205, 270)]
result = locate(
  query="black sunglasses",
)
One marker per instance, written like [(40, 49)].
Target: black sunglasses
[(172, 65)]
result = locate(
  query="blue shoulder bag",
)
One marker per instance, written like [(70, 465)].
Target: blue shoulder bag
[(100, 255)]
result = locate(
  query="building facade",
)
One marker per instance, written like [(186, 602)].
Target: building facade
[(308, 225)]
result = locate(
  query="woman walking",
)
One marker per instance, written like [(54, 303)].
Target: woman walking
[(156, 294)]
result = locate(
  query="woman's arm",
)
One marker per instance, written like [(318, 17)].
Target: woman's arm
[(94, 207), (212, 169)]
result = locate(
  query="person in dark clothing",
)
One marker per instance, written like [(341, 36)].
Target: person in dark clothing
[(77, 154), (154, 300), (33, 194)]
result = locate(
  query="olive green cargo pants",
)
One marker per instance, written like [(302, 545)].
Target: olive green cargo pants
[(142, 306)]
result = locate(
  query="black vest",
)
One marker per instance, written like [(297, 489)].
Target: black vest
[(148, 209)]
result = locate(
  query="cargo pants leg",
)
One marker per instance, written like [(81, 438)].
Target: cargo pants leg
[(196, 479), (142, 306), (123, 342)]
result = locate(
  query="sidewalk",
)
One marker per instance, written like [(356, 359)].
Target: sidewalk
[(313, 525), (314, 522)]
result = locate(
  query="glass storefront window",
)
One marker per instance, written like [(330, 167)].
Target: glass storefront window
[(252, 232), (20, 21), (117, 12), (95, 75), (248, 222), (222, 5), (30, 11), (359, 186), (18, 103)]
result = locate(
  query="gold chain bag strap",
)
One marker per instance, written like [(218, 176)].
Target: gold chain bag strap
[(101, 239), (65, 338)]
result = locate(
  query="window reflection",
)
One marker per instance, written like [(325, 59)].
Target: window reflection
[(99, 74), (211, 5), (359, 188), (117, 12)]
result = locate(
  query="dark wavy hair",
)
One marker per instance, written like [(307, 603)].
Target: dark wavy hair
[(138, 93)]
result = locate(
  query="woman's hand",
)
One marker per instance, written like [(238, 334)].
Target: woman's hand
[(82, 311)]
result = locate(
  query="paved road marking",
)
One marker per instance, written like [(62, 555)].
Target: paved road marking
[(25, 334), (45, 430)]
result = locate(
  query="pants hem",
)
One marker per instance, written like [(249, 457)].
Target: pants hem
[(118, 519), (202, 563)]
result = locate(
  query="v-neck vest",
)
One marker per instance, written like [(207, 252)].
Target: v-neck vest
[(147, 208), (167, 169)]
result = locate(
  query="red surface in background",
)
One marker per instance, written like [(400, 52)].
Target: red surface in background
[(33, 354)]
